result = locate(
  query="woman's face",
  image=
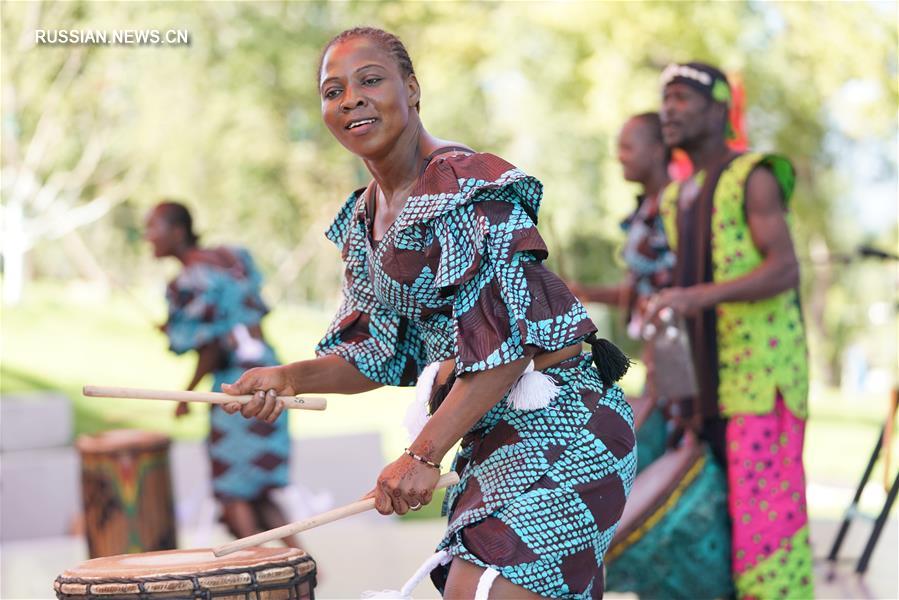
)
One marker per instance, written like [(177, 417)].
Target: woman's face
[(637, 151), (366, 100), (161, 235)]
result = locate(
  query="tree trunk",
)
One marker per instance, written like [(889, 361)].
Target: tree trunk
[(15, 247)]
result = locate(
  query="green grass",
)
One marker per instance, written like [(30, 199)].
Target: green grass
[(841, 434), (61, 338)]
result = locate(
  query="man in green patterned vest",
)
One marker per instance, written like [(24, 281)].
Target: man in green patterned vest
[(736, 283)]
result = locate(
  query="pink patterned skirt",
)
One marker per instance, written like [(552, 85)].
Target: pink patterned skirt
[(771, 555)]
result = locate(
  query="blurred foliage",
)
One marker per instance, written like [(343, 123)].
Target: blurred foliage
[(231, 125)]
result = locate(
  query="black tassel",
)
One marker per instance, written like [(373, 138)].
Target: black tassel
[(611, 363)]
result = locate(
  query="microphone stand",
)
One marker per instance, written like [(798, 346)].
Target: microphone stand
[(884, 444)]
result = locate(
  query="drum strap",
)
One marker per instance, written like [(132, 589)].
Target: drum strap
[(485, 582), (693, 267)]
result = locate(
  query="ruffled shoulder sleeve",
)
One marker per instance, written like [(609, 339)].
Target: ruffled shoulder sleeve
[(463, 179), (340, 228), (491, 265)]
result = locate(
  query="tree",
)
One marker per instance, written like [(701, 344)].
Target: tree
[(231, 123)]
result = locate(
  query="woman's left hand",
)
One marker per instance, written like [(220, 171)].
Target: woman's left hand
[(405, 484)]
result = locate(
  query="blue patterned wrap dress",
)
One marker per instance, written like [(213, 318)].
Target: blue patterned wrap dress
[(209, 303), (460, 275)]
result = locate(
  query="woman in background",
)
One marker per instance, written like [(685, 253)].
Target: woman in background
[(650, 262), (644, 160), (215, 309)]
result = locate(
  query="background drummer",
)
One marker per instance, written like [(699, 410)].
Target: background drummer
[(736, 281), (644, 160)]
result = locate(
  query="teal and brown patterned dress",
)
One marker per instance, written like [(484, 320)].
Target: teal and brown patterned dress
[(209, 303), (460, 275)]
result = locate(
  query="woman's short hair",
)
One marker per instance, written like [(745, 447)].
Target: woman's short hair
[(176, 214)]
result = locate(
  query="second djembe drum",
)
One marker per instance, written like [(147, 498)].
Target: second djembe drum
[(127, 492)]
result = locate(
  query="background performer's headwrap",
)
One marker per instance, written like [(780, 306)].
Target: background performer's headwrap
[(703, 78)]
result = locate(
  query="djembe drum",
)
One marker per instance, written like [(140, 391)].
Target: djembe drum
[(673, 540), (252, 574), (127, 492)]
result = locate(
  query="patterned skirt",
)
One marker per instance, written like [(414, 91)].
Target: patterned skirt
[(542, 491), (249, 457), (771, 554)]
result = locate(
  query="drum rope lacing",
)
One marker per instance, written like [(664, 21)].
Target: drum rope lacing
[(198, 593)]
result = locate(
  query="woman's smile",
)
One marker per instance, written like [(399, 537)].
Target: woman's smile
[(362, 126)]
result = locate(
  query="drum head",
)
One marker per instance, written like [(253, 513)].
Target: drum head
[(178, 562), (189, 572), (121, 439)]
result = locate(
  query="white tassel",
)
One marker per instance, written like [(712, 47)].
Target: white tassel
[(392, 594), (533, 390), (485, 582), (405, 593), (417, 412), (249, 349)]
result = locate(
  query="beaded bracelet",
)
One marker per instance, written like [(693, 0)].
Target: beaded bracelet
[(423, 459)]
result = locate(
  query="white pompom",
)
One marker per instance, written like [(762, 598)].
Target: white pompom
[(485, 582), (416, 418), (440, 557), (533, 390), (417, 412), (392, 594), (249, 349)]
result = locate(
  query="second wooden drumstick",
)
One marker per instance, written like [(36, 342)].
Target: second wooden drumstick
[(298, 402), (446, 480)]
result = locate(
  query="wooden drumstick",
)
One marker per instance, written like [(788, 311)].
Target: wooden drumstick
[(300, 402), (354, 508)]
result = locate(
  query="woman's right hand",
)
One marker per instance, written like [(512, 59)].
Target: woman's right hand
[(265, 384)]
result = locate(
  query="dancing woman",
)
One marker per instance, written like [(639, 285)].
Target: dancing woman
[(215, 309), (445, 283)]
